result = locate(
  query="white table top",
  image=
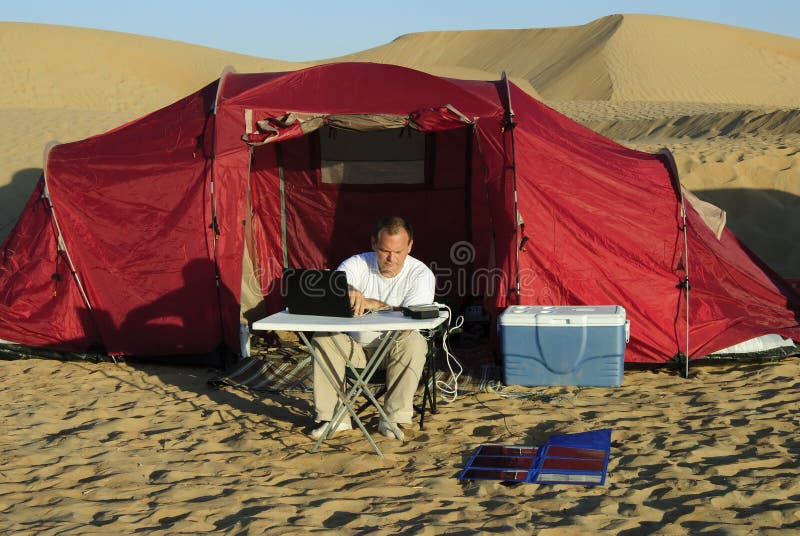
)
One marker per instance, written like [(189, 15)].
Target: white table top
[(378, 321)]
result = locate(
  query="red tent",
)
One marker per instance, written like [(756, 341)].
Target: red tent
[(155, 238)]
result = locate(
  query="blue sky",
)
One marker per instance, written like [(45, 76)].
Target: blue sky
[(304, 30)]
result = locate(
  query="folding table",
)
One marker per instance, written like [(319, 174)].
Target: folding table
[(391, 322)]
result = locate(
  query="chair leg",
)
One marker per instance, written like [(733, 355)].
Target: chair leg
[(432, 365), (428, 391), (421, 409), (379, 393)]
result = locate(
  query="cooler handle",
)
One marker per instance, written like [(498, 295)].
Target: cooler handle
[(627, 331)]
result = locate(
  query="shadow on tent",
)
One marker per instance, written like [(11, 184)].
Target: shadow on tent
[(763, 220), (13, 196)]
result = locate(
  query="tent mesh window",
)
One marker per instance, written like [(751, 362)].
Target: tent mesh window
[(395, 156)]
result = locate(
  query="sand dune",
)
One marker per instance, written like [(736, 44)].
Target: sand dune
[(102, 448), (620, 58), (635, 120), (81, 69), (555, 61), (668, 59)]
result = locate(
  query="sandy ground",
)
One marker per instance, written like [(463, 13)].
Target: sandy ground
[(101, 448), (106, 448)]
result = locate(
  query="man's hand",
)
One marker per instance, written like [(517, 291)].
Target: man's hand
[(357, 302)]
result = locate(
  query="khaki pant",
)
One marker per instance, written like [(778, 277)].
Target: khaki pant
[(403, 362)]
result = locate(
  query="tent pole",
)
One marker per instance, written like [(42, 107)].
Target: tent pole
[(684, 228), (509, 125), (669, 161), (468, 205), (214, 234), (214, 222), (686, 286), (282, 178), (61, 245)]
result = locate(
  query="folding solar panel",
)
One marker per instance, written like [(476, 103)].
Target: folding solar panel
[(564, 459), (499, 462)]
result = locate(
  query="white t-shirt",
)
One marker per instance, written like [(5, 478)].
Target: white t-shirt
[(414, 285)]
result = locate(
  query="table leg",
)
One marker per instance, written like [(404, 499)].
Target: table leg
[(344, 401), (361, 380)]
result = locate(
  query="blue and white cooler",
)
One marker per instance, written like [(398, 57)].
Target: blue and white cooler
[(563, 345)]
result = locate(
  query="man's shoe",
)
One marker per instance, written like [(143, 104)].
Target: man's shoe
[(385, 430), (316, 433)]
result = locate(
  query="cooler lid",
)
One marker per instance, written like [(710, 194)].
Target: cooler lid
[(569, 315)]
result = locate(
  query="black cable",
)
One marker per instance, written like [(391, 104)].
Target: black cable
[(505, 423)]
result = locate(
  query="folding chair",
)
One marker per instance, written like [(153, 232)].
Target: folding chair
[(434, 337)]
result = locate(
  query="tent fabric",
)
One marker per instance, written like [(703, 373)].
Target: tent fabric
[(130, 204), (714, 217), (158, 215), (294, 124)]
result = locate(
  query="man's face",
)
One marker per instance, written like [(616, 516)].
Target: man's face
[(391, 251)]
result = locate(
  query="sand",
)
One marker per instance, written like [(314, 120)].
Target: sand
[(99, 448)]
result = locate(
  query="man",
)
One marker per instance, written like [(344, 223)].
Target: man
[(385, 277)]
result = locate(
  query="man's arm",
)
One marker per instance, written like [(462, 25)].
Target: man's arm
[(422, 289), (359, 303)]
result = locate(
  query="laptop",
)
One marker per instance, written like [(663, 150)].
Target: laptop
[(317, 292)]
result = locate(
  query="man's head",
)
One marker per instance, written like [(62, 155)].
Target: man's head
[(391, 242)]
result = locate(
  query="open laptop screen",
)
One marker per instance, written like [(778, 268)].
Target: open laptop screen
[(317, 292)]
